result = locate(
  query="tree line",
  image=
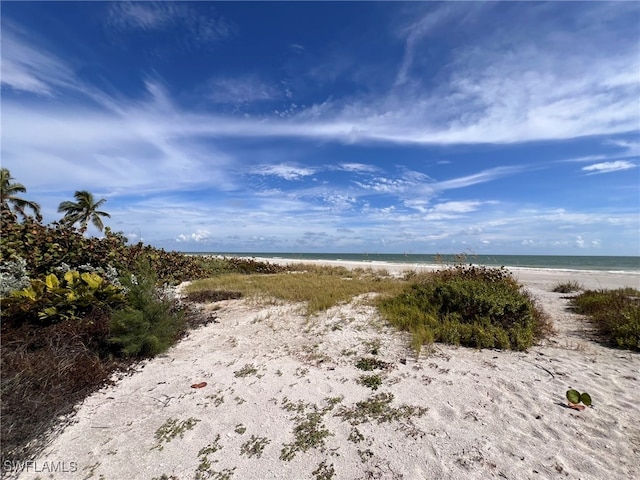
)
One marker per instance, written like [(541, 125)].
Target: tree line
[(85, 209)]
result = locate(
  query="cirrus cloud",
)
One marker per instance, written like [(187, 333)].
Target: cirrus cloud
[(608, 167)]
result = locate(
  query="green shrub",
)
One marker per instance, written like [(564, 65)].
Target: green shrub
[(616, 314), (567, 287), (466, 305), (55, 299), (149, 324), (47, 247)]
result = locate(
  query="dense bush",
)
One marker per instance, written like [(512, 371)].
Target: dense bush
[(46, 247), (466, 305), (68, 298), (150, 323), (616, 313)]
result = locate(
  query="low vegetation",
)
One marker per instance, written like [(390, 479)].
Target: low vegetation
[(615, 313), (171, 429), (309, 430), (467, 305), (378, 408), (151, 321), (76, 309), (567, 287), (319, 288)]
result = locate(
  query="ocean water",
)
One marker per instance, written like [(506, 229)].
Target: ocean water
[(555, 262)]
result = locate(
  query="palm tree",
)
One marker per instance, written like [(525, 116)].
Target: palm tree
[(9, 200), (83, 210)]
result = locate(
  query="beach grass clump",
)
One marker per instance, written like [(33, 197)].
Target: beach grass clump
[(320, 288), (467, 305), (568, 287), (615, 313)]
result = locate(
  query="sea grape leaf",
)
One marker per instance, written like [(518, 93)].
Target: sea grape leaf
[(28, 292), (70, 276), (48, 312), (92, 279), (573, 396), (52, 281), (586, 399)]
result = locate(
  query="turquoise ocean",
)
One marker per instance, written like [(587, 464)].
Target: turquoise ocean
[(554, 262)]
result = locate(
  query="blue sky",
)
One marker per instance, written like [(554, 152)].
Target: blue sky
[(377, 127)]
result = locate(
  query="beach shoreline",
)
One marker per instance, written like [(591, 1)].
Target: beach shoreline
[(590, 279), (284, 398)]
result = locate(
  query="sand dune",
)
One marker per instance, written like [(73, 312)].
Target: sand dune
[(285, 399)]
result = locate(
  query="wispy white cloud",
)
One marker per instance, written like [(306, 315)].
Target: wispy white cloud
[(457, 206), (399, 185), (433, 211), (505, 87), (28, 68), (158, 16), (608, 167), (178, 161), (288, 172), (480, 177), (240, 90), (358, 167), (296, 47), (428, 24), (630, 148), (145, 16), (623, 149)]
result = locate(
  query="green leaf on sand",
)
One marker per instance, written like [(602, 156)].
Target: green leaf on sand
[(573, 396), (586, 399)]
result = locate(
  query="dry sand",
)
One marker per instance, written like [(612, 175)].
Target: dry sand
[(282, 394)]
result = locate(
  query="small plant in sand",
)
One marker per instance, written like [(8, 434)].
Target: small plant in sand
[(369, 363), (218, 399), (205, 469), (355, 435), (309, 430), (373, 346), (567, 287), (576, 398), (324, 471), (245, 371), (378, 408), (171, 429), (371, 381), (254, 446)]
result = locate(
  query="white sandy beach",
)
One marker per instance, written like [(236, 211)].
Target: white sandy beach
[(452, 413)]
